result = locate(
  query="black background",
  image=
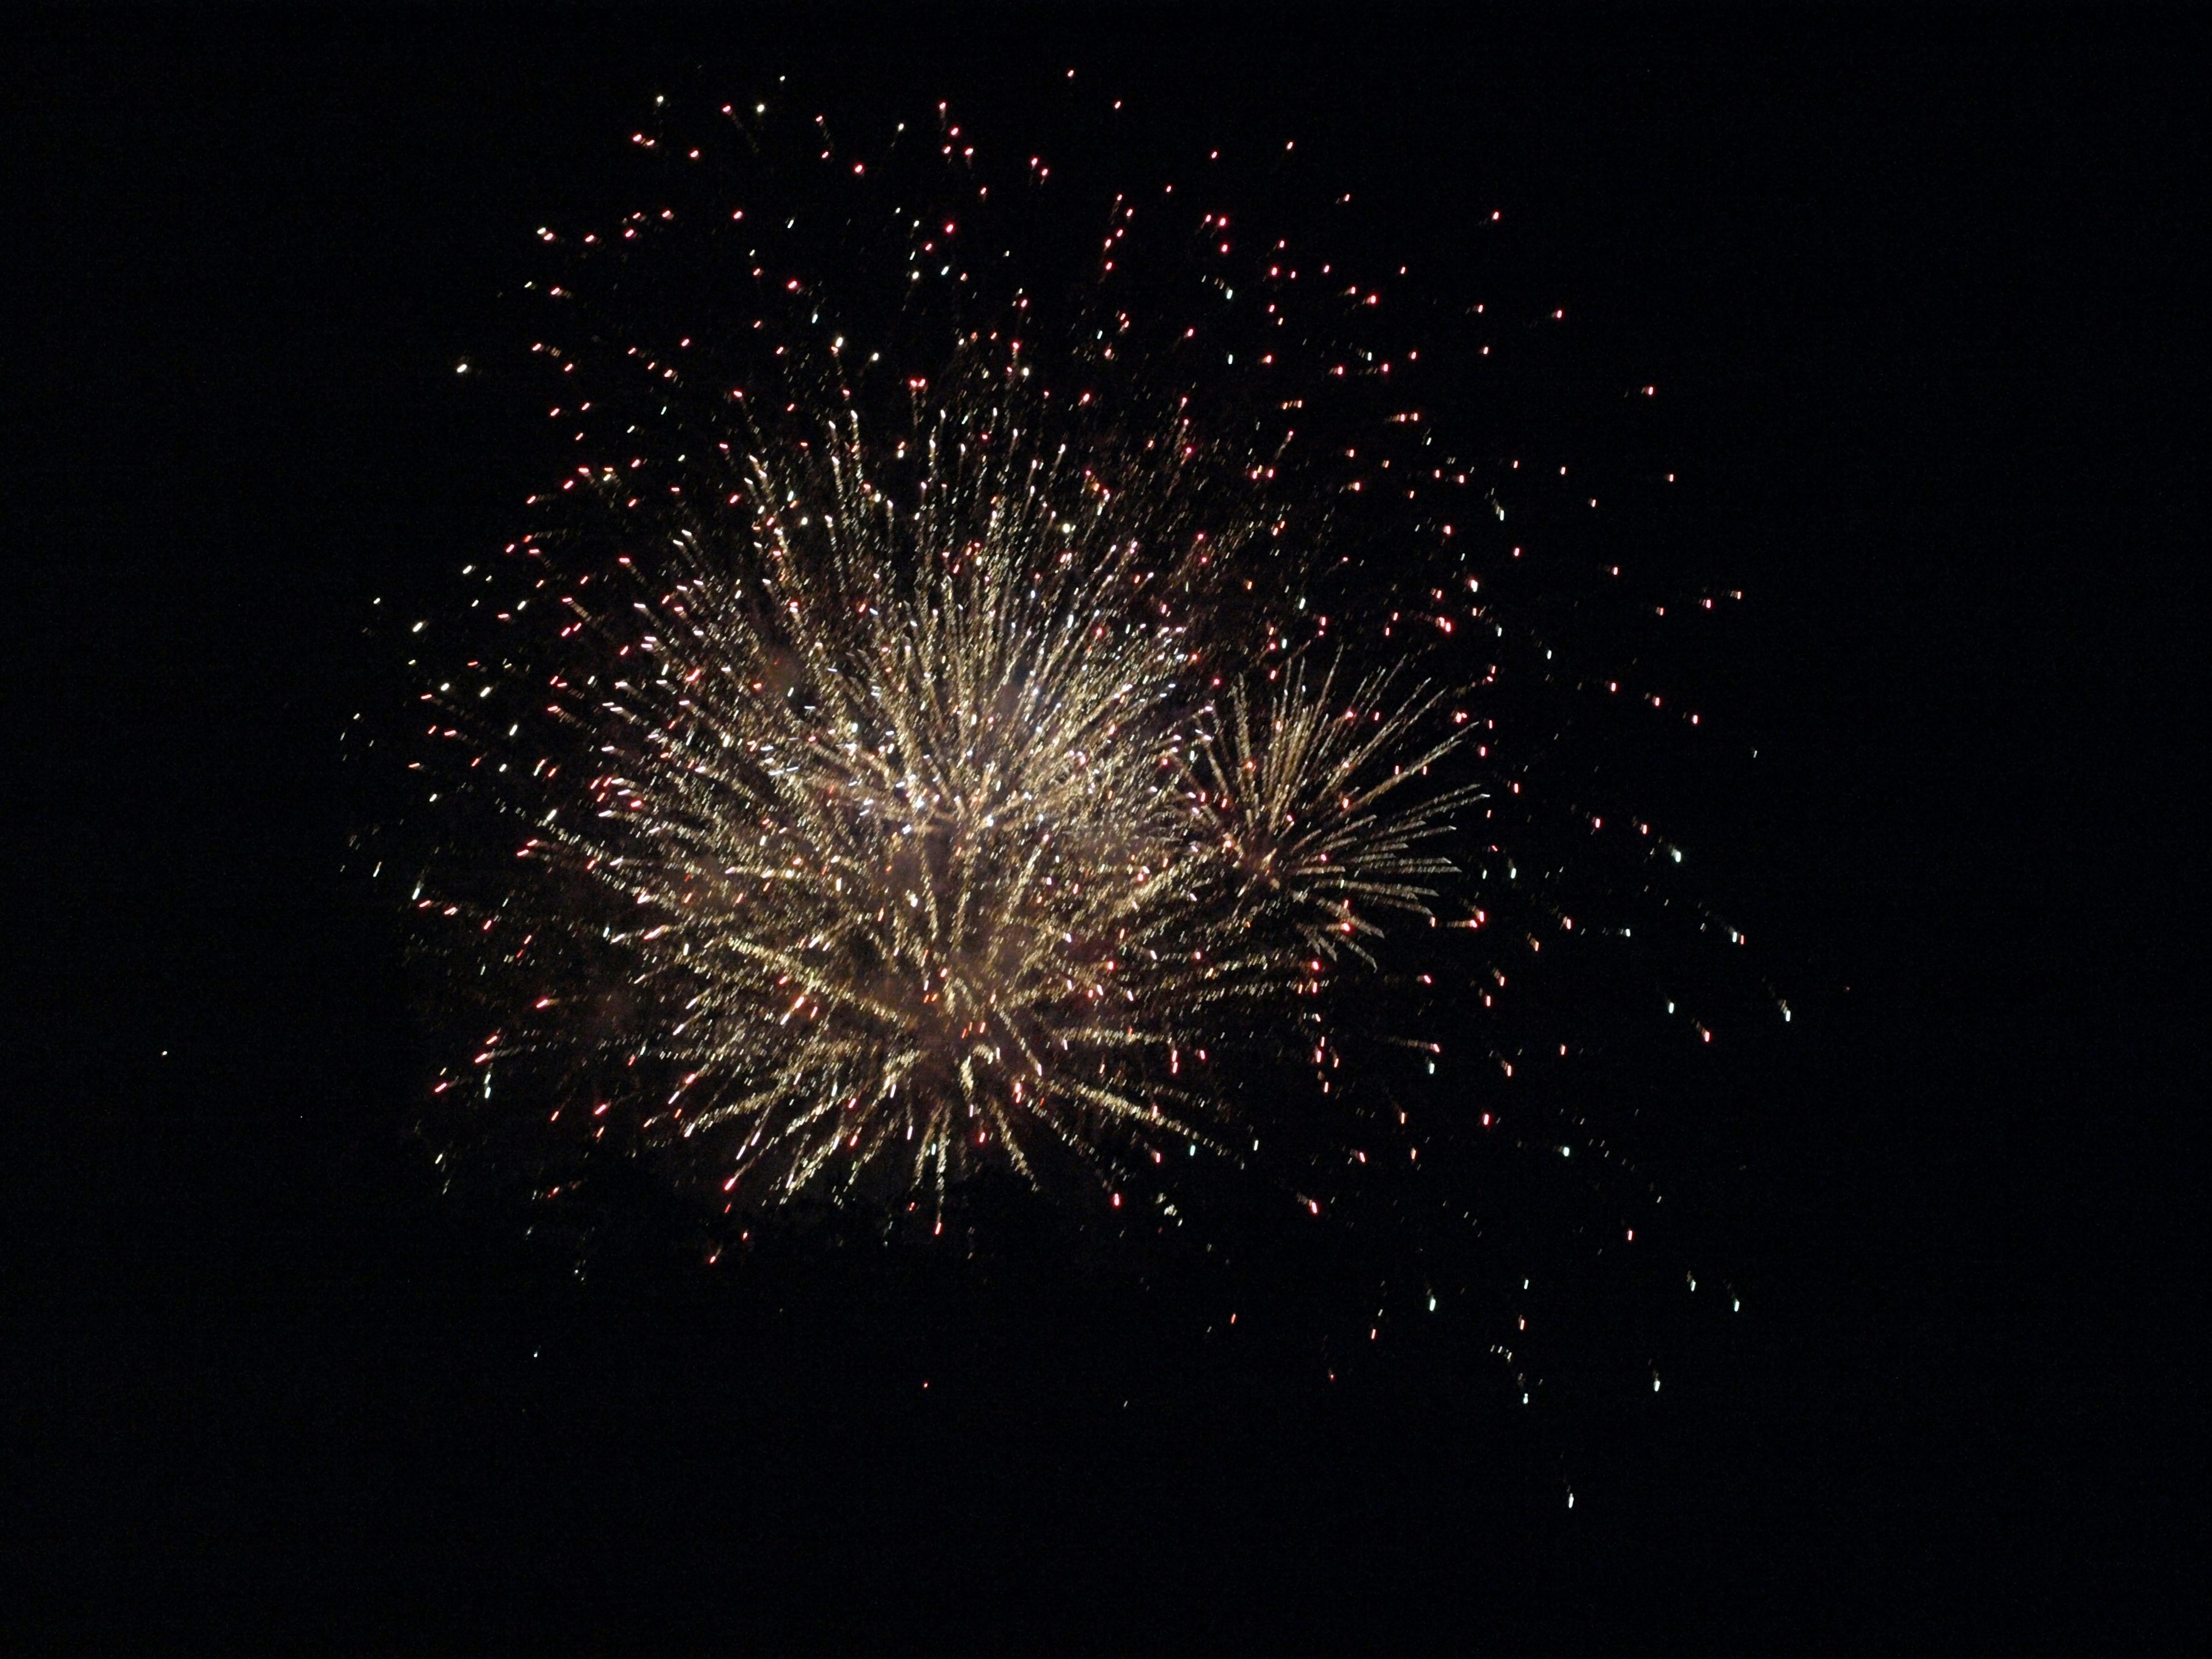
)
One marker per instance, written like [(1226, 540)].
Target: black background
[(1916, 284)]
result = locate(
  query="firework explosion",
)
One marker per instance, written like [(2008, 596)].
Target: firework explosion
[(931, 840), (964, 730)]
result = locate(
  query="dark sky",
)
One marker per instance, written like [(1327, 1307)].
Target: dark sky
[(1915, 283)]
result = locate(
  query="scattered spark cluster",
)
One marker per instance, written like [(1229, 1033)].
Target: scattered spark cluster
[(970, 700)]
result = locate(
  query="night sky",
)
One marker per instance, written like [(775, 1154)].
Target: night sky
[(1913, 287)]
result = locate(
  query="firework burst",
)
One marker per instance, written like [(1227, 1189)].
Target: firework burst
[(906, 818), (952, 717), (937, 793)]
